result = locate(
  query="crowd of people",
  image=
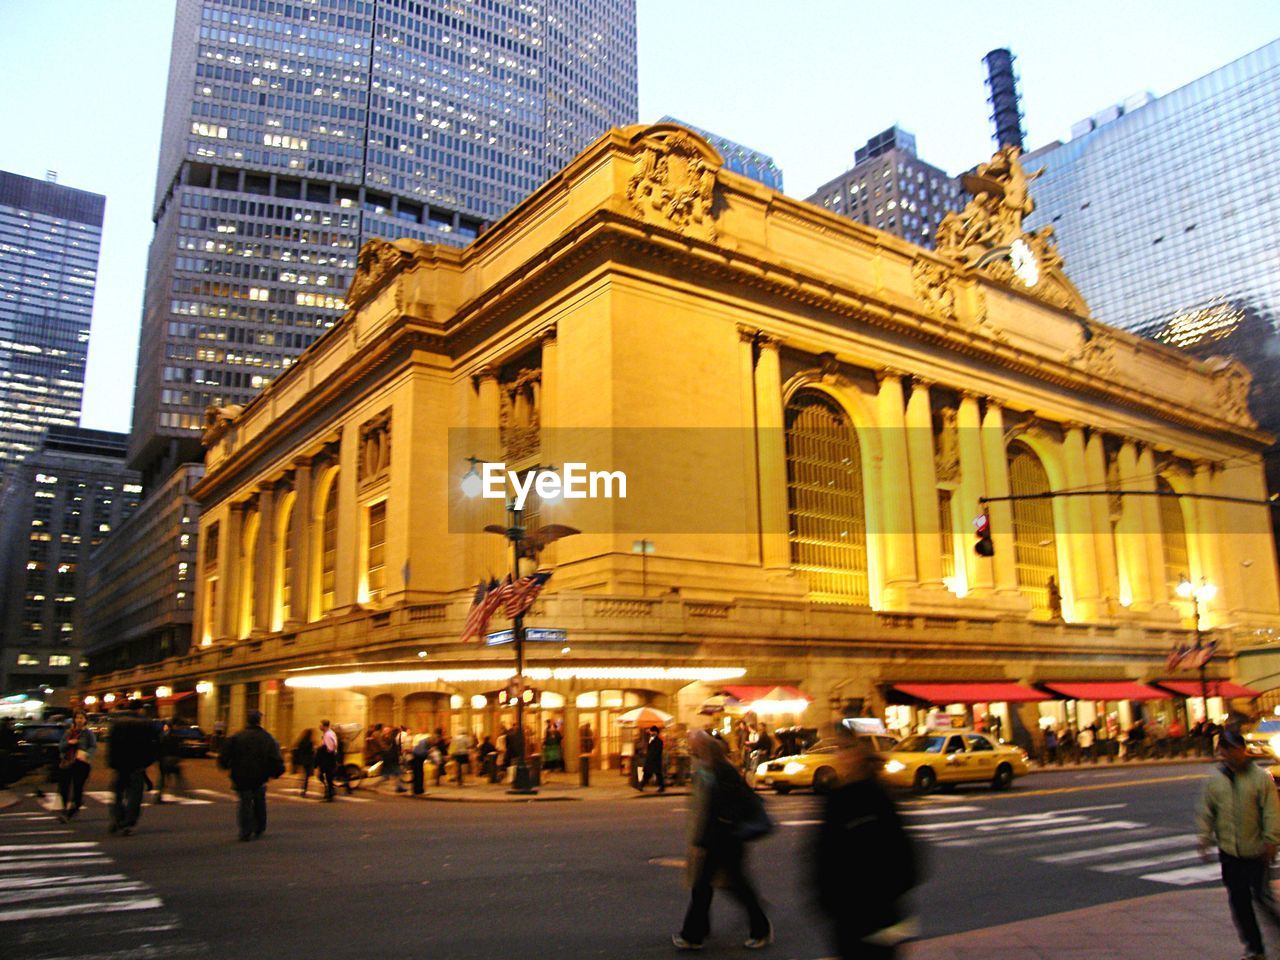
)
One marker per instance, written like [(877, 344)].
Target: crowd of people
[(1143, 740)]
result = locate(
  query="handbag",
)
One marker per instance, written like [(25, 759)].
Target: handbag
[(749, 819)]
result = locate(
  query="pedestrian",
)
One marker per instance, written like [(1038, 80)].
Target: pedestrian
[(391, 746), (417, 760), (515, 746), (1050, 746), (1085, 740), (653, 761), (75, 754), (487, 754), (638, 747), (552, 750), (132, 747), (716, 850), (460, 747), (8, 752), (764, 745), (864, 863), (1239, 813), (441, 745), (303, 756), (586, 740), (170, 762), (327, 758), (253, 757)]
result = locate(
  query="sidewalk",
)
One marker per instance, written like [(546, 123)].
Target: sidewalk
[(1036, 767), (605, 785), (1182, 925)]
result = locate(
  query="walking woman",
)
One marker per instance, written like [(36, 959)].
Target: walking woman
[(304, 757), (715, 852), (75, 753)]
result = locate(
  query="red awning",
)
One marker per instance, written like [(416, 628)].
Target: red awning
[(1217, 688), (944, 693), (750, 694), (180, 695), (1108, 690)]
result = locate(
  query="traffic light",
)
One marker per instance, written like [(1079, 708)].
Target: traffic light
[(982, 530)]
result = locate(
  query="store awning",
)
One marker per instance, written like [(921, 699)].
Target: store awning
[(1108, 690), (1217, 688), (944, 693), (750, 694), (180, 695)]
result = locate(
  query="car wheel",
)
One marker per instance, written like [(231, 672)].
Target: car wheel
[(1003, 777), (824, 780), (925, 780), (782, 787)]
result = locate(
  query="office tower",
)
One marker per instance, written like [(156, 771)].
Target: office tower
[(1168, 206), (892, 189), (738, 158), (63, 500), (294, 132), (1006, 107), (49, 240)]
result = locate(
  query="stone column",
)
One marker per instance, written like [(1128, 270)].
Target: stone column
[(1135, 565), (546, 398), (1208, 533), (995, 460), (348, 561), (264, 567), (771, 453), (492, 553), (978, 570), (300, 535), (230, 574), (898, 530), (1151, 527), (1085, 602), (924, 485), (1104, 548)]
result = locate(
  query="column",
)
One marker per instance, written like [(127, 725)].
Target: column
[(348, 560), (996, 462), (264, 572), (300, 534), (924, 485), (771, 454), (1104, 548), (229, 574), (1208, 536), (898, 533), (546, 398), (978, 570), (1151, 526), (492, 553), (1083, 593), (1135, 571)]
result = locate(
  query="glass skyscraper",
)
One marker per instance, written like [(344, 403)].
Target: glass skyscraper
[(49, 240), (294, 131), (1167, 208)]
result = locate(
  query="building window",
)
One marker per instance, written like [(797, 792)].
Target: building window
[(329, 546), (1173, 536), (946, 533), (28, 660), (285, 532), (375, 555), (210, 609), (1035, 549), (826, 511), (59, 660)]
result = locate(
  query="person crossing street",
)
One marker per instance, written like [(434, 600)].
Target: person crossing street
[(253, 757)]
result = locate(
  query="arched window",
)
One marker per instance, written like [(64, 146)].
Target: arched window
[(1173, 536), (1035, 551), (329, 546), (826, 509), (284, 560)]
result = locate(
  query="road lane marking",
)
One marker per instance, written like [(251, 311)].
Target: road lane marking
[(1002, 828), (35, 913), (1186, 876), (62, 880), (1110, 785), (1104, 825), (1147, 862), (220, 794), (797, 823), (31, 895), (1076, 856), (1014, 820), (46, 846), (45, 863), (937, 811)]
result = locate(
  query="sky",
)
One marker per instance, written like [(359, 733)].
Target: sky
[(807, 82)]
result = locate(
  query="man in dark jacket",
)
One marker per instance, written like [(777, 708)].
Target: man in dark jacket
[(133, 745), (253, 757), (653, 761), (863, 860)]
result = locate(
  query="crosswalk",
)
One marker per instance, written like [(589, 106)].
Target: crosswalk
[(64, 897), (201, 796)]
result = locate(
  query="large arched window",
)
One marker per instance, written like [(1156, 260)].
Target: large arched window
[(284, 560), (1035, 551), (329, 546), (1173, 536), (826, 510)]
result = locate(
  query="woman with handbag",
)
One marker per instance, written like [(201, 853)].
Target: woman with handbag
[(724, 814), (75, 753)]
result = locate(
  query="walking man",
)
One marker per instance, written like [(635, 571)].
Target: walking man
[(460, 747), (253, 757), (653, 762), (132, 747), (327, 757), (1239, 813)]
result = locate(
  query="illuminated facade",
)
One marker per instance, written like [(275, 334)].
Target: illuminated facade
[(49, 240), (808, 412), (293, 133), (61, 502)]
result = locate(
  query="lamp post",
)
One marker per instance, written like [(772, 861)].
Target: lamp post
[(1203, 593), (515, 534)]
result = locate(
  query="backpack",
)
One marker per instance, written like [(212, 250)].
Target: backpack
[(742, 808)]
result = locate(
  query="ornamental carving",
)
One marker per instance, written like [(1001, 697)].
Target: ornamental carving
[(519, 413), (946, 454), (379, 260), (1231, 383), (988, 235), (218, 420), (1099, 356), (674, 184), (931, 283), (375, 448)]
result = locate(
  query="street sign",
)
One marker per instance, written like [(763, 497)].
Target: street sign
[(499, 638), (531, 635)]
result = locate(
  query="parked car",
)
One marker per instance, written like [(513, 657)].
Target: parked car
[(945, 758), (192, 741), (815, 768), (37, 747), (1263, 740)]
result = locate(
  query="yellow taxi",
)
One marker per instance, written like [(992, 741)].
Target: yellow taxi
[(1263, 740), (815, 768), (946, 757)]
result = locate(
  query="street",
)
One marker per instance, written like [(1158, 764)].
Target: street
[(384, 875)]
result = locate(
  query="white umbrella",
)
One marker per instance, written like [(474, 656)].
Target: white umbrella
[(646, 716)]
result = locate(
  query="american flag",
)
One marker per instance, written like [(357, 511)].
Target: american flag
[(1177, 657), (1198, 658), (523, 592), (482, 607)]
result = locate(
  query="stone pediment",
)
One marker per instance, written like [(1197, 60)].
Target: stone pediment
[(380, 260), (673, 183)]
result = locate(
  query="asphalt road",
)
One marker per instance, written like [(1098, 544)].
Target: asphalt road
[(386, 876)]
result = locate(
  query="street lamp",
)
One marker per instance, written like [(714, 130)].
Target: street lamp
[(1201, 594)]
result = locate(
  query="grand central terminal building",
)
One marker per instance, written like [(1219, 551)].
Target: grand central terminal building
[(809, 415)]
